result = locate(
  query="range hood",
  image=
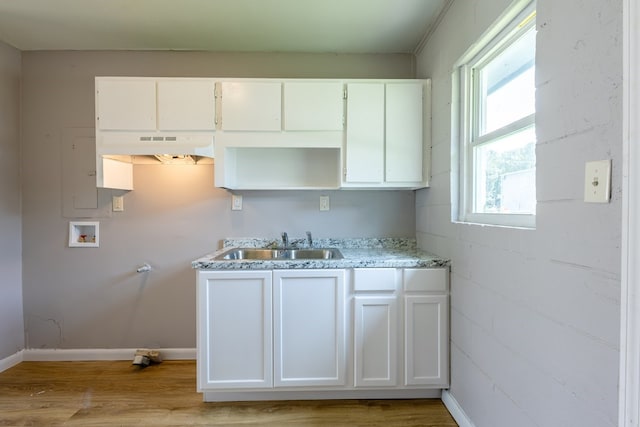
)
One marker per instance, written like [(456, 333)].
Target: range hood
[(117, 152), (156, 143)]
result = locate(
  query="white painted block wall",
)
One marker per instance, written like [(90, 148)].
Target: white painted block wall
[(535, 313)]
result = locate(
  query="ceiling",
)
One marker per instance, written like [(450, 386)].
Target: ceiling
[(311, 26)]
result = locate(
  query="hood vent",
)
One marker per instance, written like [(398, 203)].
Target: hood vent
[(176, 144), (175, 159)]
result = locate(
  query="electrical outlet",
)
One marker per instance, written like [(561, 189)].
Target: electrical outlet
[(117, 203), (236, 202), (324, 203), (597, 181)]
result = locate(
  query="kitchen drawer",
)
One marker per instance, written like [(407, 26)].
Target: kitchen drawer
[(425, 279), (374, 279)]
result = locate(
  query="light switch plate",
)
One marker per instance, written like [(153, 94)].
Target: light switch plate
[(236, 202), (597, 181)]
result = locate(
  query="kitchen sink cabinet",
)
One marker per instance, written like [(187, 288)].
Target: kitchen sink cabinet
[(334, 333), (234, 330), (240, 348), (309, 328)]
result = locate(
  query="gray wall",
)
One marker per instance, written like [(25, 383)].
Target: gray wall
[(535, 314), (92, 297), (11, 318)]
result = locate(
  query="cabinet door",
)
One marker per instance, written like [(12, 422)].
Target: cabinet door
[(403, 132), (376, 331), (126, 104), (234, 329), (309, 347), (251, 106), (364, 159), (186, 104), (313, 106), (426, 344)]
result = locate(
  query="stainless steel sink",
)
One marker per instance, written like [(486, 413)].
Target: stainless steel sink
[(279, 254)]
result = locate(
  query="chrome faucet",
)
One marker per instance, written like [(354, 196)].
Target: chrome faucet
[(309, 239), (285, 240)]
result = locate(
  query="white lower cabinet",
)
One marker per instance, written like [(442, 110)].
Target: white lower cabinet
[(376, 335), (283, 333), (234, 330), (426, 326), (375, 327), (309, 336)]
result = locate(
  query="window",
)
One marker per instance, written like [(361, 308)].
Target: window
[(497, 125)]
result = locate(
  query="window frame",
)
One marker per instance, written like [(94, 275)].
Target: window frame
[(509, 28)]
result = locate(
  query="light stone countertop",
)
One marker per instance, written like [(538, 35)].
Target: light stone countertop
[(357, 253)]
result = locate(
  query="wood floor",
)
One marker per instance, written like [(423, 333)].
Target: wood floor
[(117, 393)]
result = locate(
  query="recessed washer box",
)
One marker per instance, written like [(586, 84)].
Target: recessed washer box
[(84, 234)]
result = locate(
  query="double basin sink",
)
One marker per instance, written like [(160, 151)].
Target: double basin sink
[(279, 254)]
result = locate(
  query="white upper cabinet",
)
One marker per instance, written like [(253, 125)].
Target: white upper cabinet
[(387, 134), (364, 157), (403, 132), (272, 134), (126, 104), (313, 106), (186, 104), (148, 104), (251, 106)]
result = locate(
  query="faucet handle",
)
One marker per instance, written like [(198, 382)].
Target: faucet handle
[(309, 239)]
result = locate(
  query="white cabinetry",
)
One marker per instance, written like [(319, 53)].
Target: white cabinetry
[(364, 157), (313, 106), (150, 116), (251, 106), (186, 105), (289, 334), (375, 327), (150, 104), (388, 134), (403, 132), (426, 322), (270, 134), (280, 134), (309, 328), (126, 104), (234, 329), (240, 348)]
